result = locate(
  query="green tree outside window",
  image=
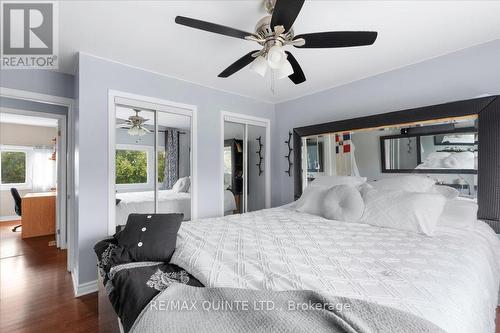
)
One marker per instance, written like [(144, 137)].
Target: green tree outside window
[(131, 167), (13, 167)]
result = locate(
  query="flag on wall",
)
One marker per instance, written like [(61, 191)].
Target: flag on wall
[(344, 153)]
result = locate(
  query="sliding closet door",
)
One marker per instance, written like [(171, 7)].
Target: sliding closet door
[(234, 173), (173, 153), (256, 173), (245, 181), (134, 162)]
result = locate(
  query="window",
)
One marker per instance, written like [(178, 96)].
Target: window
[(131, 166), (13, 167), (161, 166)]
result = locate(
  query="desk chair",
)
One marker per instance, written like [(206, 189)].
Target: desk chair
[(17, 201)]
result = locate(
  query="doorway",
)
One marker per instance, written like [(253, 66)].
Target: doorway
[(245, 163)]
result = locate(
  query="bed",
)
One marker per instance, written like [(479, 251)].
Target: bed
[(410, 249), (450, 279), (169, 201)]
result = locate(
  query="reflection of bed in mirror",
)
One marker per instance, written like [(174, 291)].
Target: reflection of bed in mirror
[(169, 201), (452, 151)]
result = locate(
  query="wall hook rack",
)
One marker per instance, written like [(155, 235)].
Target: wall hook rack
[(289, 156), (259, 152)]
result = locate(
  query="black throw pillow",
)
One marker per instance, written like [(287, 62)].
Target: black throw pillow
[(150, 237)]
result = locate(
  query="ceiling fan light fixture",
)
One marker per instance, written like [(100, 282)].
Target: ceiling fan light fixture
[(142, 131), (276, 57), (134, 130), (285, 70), (259, 66)]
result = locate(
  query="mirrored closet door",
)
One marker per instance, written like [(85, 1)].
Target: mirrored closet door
[(152, 163), (245, 179)]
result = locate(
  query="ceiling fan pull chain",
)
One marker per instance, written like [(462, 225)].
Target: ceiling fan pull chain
[(273, 82)]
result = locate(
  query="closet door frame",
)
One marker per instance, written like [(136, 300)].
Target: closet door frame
[(155, 105), (246, 121)]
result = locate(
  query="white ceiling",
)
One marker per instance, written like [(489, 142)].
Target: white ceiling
[(9, 118), (143, 34)]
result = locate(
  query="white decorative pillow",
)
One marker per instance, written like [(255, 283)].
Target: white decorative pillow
[(409, 211), (311, 200), (409, 183), (460, 214), (329, 181), (447, 191), (182, 185), (343, 203)]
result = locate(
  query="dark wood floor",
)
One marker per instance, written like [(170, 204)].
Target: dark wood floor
[(36, 290)]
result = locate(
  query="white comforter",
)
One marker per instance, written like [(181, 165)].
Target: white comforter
[(450, 279), (143, 203)]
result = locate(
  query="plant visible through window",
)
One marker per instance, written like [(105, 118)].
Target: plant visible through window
[(13, 167)]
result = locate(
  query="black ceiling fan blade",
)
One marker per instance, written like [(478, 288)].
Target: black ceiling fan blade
[(285, 12), (298, 75), (211, 27), (238, 64), (337, 39)]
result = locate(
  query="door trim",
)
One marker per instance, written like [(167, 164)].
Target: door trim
[(69, 209)]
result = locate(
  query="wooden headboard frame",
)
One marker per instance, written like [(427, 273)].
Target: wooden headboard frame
[(488, 111)]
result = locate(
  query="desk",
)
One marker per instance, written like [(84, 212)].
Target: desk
[(38, 214)]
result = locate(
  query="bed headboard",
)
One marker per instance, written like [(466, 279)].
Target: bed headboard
[(488, 111)]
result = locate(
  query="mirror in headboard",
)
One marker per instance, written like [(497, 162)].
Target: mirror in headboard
[(399, 148), (341, 142), (448, 148)]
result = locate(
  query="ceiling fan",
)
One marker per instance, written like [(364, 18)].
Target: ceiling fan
[(275, 31), (134, 124)]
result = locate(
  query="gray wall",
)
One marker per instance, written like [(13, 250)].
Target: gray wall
[(96, 76), (39, 80), (256, 182), (461, 75)]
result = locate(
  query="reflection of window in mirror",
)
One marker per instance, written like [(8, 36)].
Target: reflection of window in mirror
[(315, 153), (228, 168)]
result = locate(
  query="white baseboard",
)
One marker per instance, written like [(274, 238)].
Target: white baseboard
[(83, 288), (10, 218)]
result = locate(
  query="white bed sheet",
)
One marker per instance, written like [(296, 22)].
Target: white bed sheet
[(143, 203), (450, 279)]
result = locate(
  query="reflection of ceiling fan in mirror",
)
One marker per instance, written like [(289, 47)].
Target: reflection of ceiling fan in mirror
[(134, 124)]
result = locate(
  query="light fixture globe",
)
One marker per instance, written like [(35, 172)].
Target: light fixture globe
[(276, 57), (285, 70), (259, 66)]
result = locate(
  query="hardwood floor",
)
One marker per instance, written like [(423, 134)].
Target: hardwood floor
[(36, 291)]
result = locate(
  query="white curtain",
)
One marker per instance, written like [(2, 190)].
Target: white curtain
[(44, 170)]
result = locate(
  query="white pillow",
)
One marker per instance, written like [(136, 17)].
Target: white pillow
[(307, 204), (329, 181), (447, 191), (343, 203), (461, 214), (311, 201), (409, 183), (182, 185), (409, 211)]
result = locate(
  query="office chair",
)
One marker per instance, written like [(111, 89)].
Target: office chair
[(17, 201)]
